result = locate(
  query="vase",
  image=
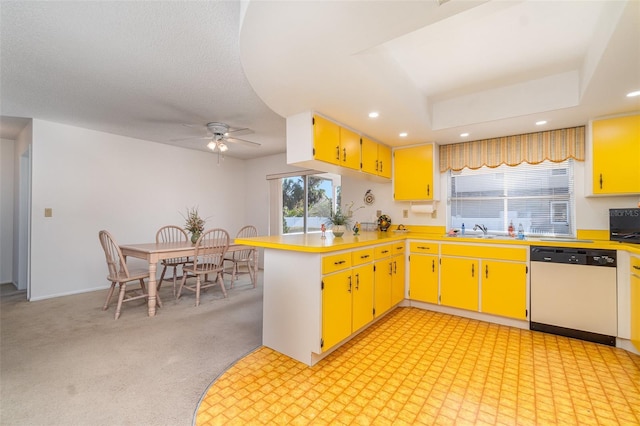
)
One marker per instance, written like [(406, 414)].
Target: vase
[(194, 237), (338, 230)]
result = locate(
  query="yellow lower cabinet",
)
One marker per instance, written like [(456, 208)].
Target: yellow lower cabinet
[(397, 279), (459, 283), (423, 278), (336, 308), (504, 286), (362, 296), (382, 291)]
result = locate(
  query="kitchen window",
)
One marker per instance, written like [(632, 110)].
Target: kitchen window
[(304, 201), (539, 197)]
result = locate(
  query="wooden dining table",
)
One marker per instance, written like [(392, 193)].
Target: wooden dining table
[(155, 252)]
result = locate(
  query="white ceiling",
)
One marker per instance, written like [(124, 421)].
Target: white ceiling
[(490, 68)]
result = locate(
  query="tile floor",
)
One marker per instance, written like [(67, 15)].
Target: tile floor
[(422, 367)]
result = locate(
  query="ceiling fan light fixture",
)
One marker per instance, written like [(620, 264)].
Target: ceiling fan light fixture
[(212, 145), (222, 146)]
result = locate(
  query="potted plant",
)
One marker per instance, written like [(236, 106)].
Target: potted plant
[(338, 222), (194, 224)]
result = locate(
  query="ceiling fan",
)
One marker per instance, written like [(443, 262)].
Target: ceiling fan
[(220, 134)]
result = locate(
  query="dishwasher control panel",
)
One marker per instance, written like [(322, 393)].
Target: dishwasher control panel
[(575, 256)]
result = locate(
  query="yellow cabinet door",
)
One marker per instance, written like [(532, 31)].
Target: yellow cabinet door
[(349, 149), (376, 158), (423, 278), (635, 302), (504, 289), (382, 286), (397, 279), (362, 294), (336, 308), (384, 161), (326, 140), (616, 155), (459, 283), (413, 173)]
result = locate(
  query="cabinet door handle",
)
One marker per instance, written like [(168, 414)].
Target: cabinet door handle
[(357, 281), (395, 267), (428, 189), (380, 166), (473, 270), (486, 271), (433, 266), (377, 165), (600, 180), (349, 283), (338, 152), (344, 154), (390, 268)]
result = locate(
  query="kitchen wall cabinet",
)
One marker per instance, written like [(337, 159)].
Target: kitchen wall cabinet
[(635, 301), (615, 145), (413, 173), (376, 158), (424, 266), (317, 142)]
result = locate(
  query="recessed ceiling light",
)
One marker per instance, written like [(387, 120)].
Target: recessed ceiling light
[(541, 122), (403, 134), (464, 135), (373, 114), (633, 94)]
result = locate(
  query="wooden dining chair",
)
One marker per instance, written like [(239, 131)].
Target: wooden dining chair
[(245, 256), (208, 259), (121, 274), (172, 234)]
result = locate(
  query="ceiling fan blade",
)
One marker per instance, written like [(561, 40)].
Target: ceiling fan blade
[(242, 141), (189, 139), (239, 132)]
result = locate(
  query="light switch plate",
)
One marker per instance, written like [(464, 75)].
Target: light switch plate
[(48, 212)]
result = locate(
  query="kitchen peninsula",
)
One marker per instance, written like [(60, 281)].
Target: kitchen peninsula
[(320, 292)]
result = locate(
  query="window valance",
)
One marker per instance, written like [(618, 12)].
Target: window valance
[(554, 145)]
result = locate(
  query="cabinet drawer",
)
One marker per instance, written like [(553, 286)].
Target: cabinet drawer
[(420, 247), (359, 257), (397, 248), (381, 252), (336, 262), (635, 266), (485, 252)]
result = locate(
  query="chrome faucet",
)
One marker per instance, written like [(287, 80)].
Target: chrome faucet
[(480, 227)]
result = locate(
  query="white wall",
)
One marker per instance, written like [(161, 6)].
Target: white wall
[(6, 209), (130, 187)]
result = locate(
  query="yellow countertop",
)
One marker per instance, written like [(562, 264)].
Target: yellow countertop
[(314, 243)]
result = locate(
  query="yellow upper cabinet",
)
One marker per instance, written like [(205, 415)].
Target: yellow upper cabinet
[(349, 149), (326, 140), (376, 158), (413, 173), (616, 155)]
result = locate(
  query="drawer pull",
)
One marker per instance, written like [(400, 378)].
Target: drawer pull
[(424, 248), (364, 256), (340, 262), (385, 251), (636, 267)]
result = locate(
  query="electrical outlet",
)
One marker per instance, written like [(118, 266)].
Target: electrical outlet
[(434, 214), (48, 212), (378, 213), (405, 213)]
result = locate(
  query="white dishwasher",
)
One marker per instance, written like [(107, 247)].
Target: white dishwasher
[(574, 293)]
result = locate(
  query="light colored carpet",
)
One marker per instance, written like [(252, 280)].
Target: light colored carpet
[(64, 361)]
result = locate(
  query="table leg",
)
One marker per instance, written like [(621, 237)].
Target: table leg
[(153, 291)]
